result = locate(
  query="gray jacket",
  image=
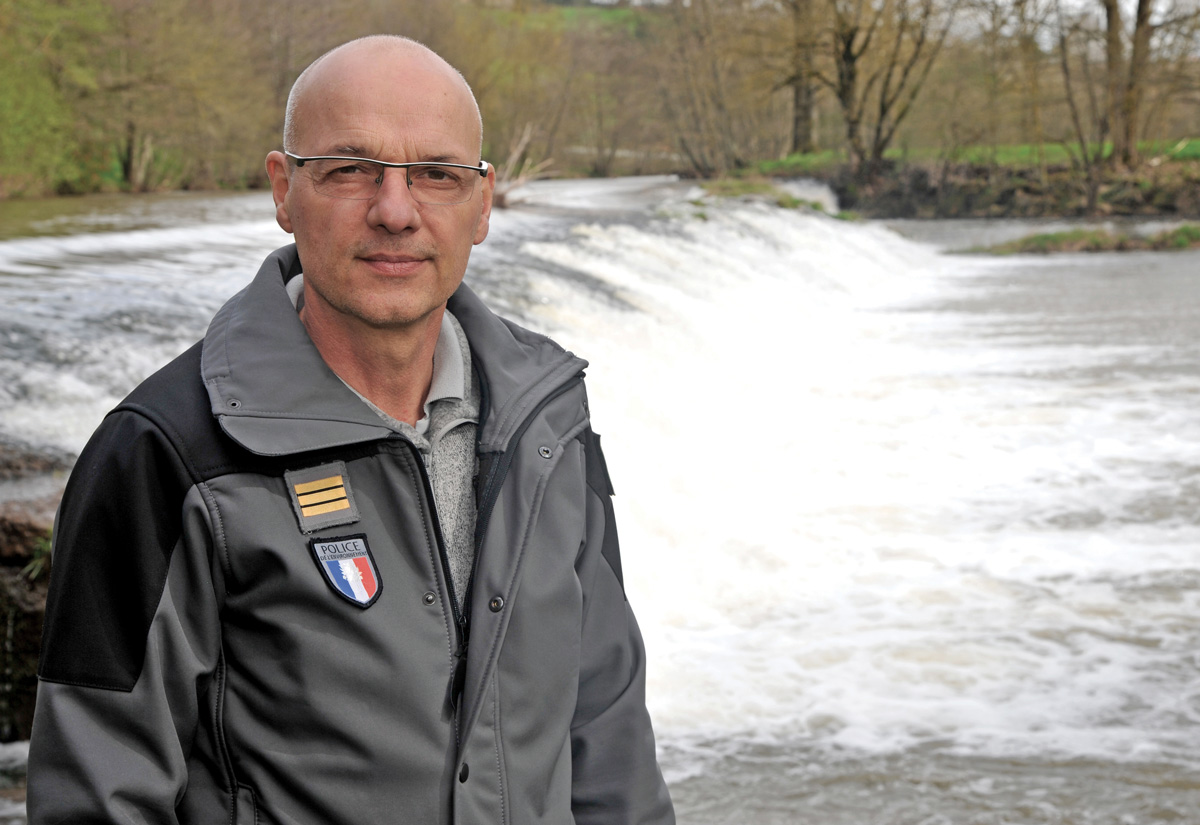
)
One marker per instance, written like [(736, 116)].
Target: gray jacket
[(251, 619)]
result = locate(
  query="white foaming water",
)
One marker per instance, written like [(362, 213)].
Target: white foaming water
[(872, 497), (857, 525), (88, 316)]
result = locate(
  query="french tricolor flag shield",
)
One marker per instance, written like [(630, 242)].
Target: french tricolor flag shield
[(348, 568)]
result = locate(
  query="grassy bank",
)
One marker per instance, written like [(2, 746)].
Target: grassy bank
[(1099, 240), (764, 189), (1172, 188)]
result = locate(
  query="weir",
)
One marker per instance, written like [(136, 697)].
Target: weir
[(910, 534)]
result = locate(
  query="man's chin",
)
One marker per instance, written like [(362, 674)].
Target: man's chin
[(386, 304), (394, 318)]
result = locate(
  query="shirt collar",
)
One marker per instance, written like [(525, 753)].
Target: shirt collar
[(449, 374)]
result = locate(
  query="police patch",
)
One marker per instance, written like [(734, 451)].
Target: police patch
[(349, 568), (321, 496)]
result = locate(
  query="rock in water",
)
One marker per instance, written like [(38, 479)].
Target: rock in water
[(31, 483), (22, 609)]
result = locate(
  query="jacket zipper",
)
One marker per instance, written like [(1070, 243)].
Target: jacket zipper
[(497, 473), (458, 672), (491, 492)]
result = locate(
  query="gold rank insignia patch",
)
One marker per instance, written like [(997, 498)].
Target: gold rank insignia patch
[(321, 496)]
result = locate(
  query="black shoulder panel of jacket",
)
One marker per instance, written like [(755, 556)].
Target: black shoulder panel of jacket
[(119, 522), (598, 479)]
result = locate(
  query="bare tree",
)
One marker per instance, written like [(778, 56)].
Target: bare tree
[(793, 62), (517, 169), (695, 92), (1088, 153), (882, 54), (1156, 25), (1175, 73), (173, 116), (1030, 20), (803, 77)]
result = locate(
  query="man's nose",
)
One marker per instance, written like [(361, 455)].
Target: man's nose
[(393, 207)]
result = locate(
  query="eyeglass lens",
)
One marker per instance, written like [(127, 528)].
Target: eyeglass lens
[(360, 180)]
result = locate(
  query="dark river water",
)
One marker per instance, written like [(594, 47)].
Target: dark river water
[(913, 536)]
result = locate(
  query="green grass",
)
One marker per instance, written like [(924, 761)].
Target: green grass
[(1098, 240), (1056, 153), (1183, 237), (1018, 155), (741, 187), (1186, 149), (1021, 155), (40, 563), (1074, 240), (1024, 155), (576, 16), (796, 165), (738, 187)]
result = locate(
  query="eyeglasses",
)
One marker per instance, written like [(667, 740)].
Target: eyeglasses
[(360, 178)]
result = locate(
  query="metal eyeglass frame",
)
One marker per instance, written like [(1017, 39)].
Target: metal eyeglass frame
[(300, 160)]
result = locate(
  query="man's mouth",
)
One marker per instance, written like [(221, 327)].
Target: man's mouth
[(389, 258), (390, 264)]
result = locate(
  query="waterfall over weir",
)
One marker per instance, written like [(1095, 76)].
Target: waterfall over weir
[(911, 536)]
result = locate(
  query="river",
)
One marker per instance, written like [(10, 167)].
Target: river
[(912, 535)]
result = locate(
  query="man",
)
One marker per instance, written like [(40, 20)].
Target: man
[(351, 558)]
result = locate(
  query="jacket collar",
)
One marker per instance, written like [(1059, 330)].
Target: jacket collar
[(273, 393), (517, 367)]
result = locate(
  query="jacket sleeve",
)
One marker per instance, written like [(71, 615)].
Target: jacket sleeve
[(131, 632), (616, 779)]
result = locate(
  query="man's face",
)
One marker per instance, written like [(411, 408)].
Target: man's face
[(388, 261)]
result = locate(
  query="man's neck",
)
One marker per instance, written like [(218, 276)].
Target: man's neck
[(392, 367)]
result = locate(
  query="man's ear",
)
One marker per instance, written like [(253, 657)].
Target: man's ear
[(489, 186), (277, 171)]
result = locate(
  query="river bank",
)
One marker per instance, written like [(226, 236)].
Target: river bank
[(923, 190), (962, 190), (31, 483), (1142, 231), (1186, 236)]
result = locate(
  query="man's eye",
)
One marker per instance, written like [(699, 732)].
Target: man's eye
[(350, 170), (435, 174)]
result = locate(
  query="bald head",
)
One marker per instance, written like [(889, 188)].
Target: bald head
[(339, 70)]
